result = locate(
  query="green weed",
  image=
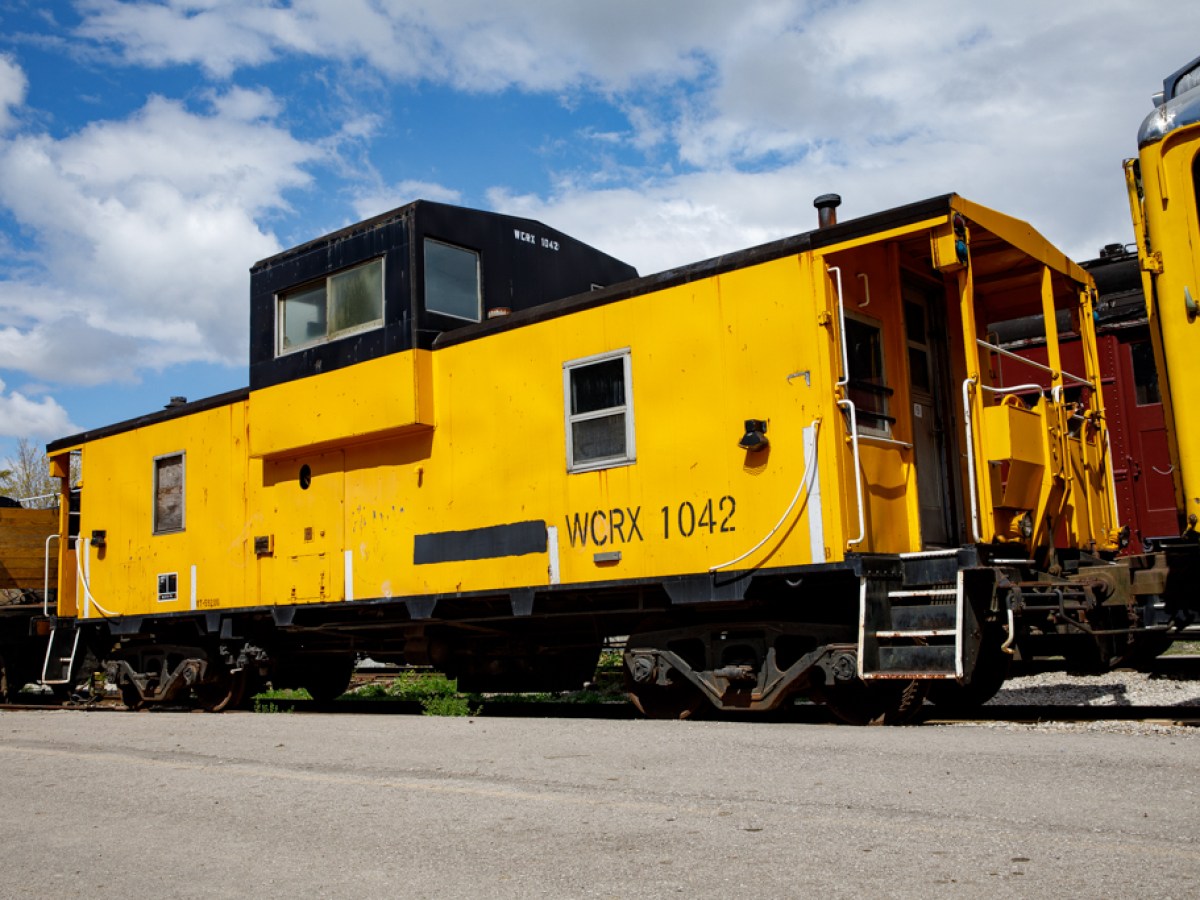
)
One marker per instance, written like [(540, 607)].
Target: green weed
[(267, 706), (455, 705)]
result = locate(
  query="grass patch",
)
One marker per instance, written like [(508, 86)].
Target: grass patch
[(283, 694), (437, 694), (1184, 648), (279, 700), (456, 705), (269, 706)]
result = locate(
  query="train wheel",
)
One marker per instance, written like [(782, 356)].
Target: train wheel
[(673, 701), (132, 697), (327, 680), (16, 671), (226, 692), (989, 675), (878, 703), (1142, 650)]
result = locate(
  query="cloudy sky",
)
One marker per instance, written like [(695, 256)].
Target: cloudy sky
[(151, 152)]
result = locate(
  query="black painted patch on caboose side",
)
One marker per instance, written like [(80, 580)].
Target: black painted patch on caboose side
[(492, 542)]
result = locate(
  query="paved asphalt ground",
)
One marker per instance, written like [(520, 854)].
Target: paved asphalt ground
[(161, 805)]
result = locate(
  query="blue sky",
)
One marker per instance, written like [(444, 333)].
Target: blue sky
[(150, 153)]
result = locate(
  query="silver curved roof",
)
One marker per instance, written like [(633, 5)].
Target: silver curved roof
[(1177, 106)]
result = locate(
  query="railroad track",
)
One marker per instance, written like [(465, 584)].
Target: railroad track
[(1182, 668)]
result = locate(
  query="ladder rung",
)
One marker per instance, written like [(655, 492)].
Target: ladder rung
[(938, 632), (896, 676), (927, 592)]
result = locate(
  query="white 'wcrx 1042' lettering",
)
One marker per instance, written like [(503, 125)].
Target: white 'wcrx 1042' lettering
[(527, 238)]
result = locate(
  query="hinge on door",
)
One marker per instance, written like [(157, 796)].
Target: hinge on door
[(1152, 262)]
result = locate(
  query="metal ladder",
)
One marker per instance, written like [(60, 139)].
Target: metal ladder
[(57, 668), (915, 620)]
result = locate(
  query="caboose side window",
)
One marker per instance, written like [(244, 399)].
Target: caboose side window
[(341, 304), (169, 493), (452, 281), (868, 377), (599, 412)]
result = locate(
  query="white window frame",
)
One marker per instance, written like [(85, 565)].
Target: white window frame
[(607, 462), (374, 324), (182, 454)]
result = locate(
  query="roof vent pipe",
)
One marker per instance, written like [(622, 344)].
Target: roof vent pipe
[(827, 205)]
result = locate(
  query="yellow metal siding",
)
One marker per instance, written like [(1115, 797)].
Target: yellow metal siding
[(118, 481), (1171, 220), (705, 356), (381, 397)]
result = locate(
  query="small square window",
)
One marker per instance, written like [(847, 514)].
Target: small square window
[(169, 493), (452, 281), (168, 587), (599, 412)]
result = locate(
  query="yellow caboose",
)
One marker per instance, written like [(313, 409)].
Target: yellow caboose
[(473, 442)]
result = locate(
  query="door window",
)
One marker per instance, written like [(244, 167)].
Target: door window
[(868, 378)]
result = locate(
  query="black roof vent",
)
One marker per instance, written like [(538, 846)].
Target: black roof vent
[(827, 205)]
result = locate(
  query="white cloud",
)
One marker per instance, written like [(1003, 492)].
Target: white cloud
[(21, 417), (13, 85), (144, 229), (535, 45), (220, 37), (1019, 105)]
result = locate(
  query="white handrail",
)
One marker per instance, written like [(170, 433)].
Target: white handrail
[(845, 379), (1013, 389), (966, 397), (847, 403), (88, 598), (805, 487), (46, 578), (1029, 362), (858, 489)]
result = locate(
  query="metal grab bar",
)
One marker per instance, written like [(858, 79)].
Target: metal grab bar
[(89, 599), (845, 379), (858, 488), (46, 578), (849, 404), (966, 397), (805, 488), (1029, 362), (1016, 388)]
